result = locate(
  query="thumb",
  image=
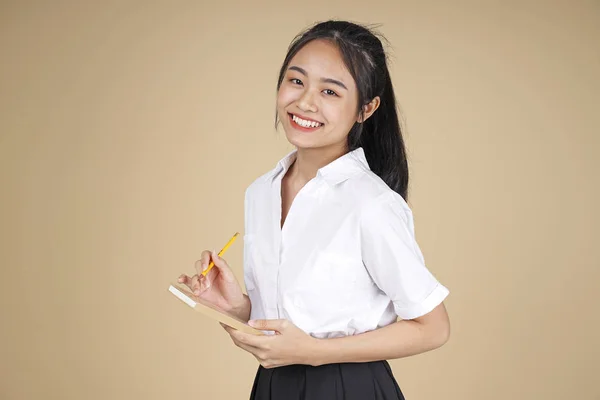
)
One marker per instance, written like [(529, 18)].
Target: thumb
[(278, 325)]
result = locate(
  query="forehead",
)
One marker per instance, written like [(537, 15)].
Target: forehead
[(322, 59)]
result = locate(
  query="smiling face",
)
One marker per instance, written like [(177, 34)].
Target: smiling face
[(317, 99)]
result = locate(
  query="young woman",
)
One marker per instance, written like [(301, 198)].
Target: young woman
[(333, 272)]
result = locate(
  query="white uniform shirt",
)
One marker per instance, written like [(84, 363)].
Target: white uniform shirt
[(346, 260)]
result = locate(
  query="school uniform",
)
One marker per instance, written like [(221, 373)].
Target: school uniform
[(345, 262)]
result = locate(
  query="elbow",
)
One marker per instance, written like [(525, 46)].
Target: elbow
[(435, 328), (438, 336), (441, 333)]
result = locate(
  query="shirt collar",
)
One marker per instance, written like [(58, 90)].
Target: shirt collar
[(333, 173)]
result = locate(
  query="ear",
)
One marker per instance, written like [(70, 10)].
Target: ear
[(369, 109)]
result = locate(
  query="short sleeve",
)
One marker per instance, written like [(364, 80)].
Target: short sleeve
[(394, 260)]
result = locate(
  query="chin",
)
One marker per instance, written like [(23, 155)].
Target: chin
[(303, 141)]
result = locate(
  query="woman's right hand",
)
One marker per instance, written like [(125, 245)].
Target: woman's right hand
[(219, 287)]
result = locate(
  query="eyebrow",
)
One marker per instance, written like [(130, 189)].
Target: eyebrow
[(326, 80)]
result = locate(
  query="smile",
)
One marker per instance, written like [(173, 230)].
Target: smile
[(304, 123)]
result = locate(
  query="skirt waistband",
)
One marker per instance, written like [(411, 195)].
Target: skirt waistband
[(343, 381)]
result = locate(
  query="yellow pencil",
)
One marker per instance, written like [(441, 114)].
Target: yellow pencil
[(221, 253)]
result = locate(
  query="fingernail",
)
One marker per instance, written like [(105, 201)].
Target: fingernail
[(251, 323)]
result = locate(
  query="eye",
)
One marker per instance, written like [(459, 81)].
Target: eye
[(296, 81), (330, 92)]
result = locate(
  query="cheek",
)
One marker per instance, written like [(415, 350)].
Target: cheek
[(341, 114), (285, 96)]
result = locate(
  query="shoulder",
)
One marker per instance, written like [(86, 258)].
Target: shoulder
[(373, 197), (257, 200), (259, 185)]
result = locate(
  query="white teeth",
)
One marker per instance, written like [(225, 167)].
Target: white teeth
[(304, 123)]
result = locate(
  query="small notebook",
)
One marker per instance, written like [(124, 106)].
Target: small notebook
[(183, 293)]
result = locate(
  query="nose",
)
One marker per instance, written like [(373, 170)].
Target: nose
[(307, 102)]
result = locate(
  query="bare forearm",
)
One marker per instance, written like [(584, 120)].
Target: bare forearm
[(242, 310), (400, 339)]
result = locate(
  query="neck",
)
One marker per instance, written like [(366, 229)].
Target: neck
[(309, 161)]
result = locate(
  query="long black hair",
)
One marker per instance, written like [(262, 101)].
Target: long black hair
[(380, 135)]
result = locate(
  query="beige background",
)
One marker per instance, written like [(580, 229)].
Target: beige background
[(129, 131)]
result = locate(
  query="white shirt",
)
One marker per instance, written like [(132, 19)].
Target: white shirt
[(346, 260)]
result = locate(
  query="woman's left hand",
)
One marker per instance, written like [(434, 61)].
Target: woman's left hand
[(289, 345)]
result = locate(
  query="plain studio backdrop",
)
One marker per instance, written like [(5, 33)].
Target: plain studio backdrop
[(130, 130)]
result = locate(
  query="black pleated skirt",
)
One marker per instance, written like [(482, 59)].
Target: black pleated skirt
[(347, 381)]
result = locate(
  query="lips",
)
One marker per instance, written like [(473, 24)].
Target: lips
[(304, 124)]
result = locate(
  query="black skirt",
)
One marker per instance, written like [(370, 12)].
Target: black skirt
[(347, 381)]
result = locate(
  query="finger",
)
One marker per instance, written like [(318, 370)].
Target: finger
[(249, 339), (210, 275), (232, 332), (195, 284), (250, 349), (228, 328), (206, 281), (202, 263), (186, 280), (278, 325)]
